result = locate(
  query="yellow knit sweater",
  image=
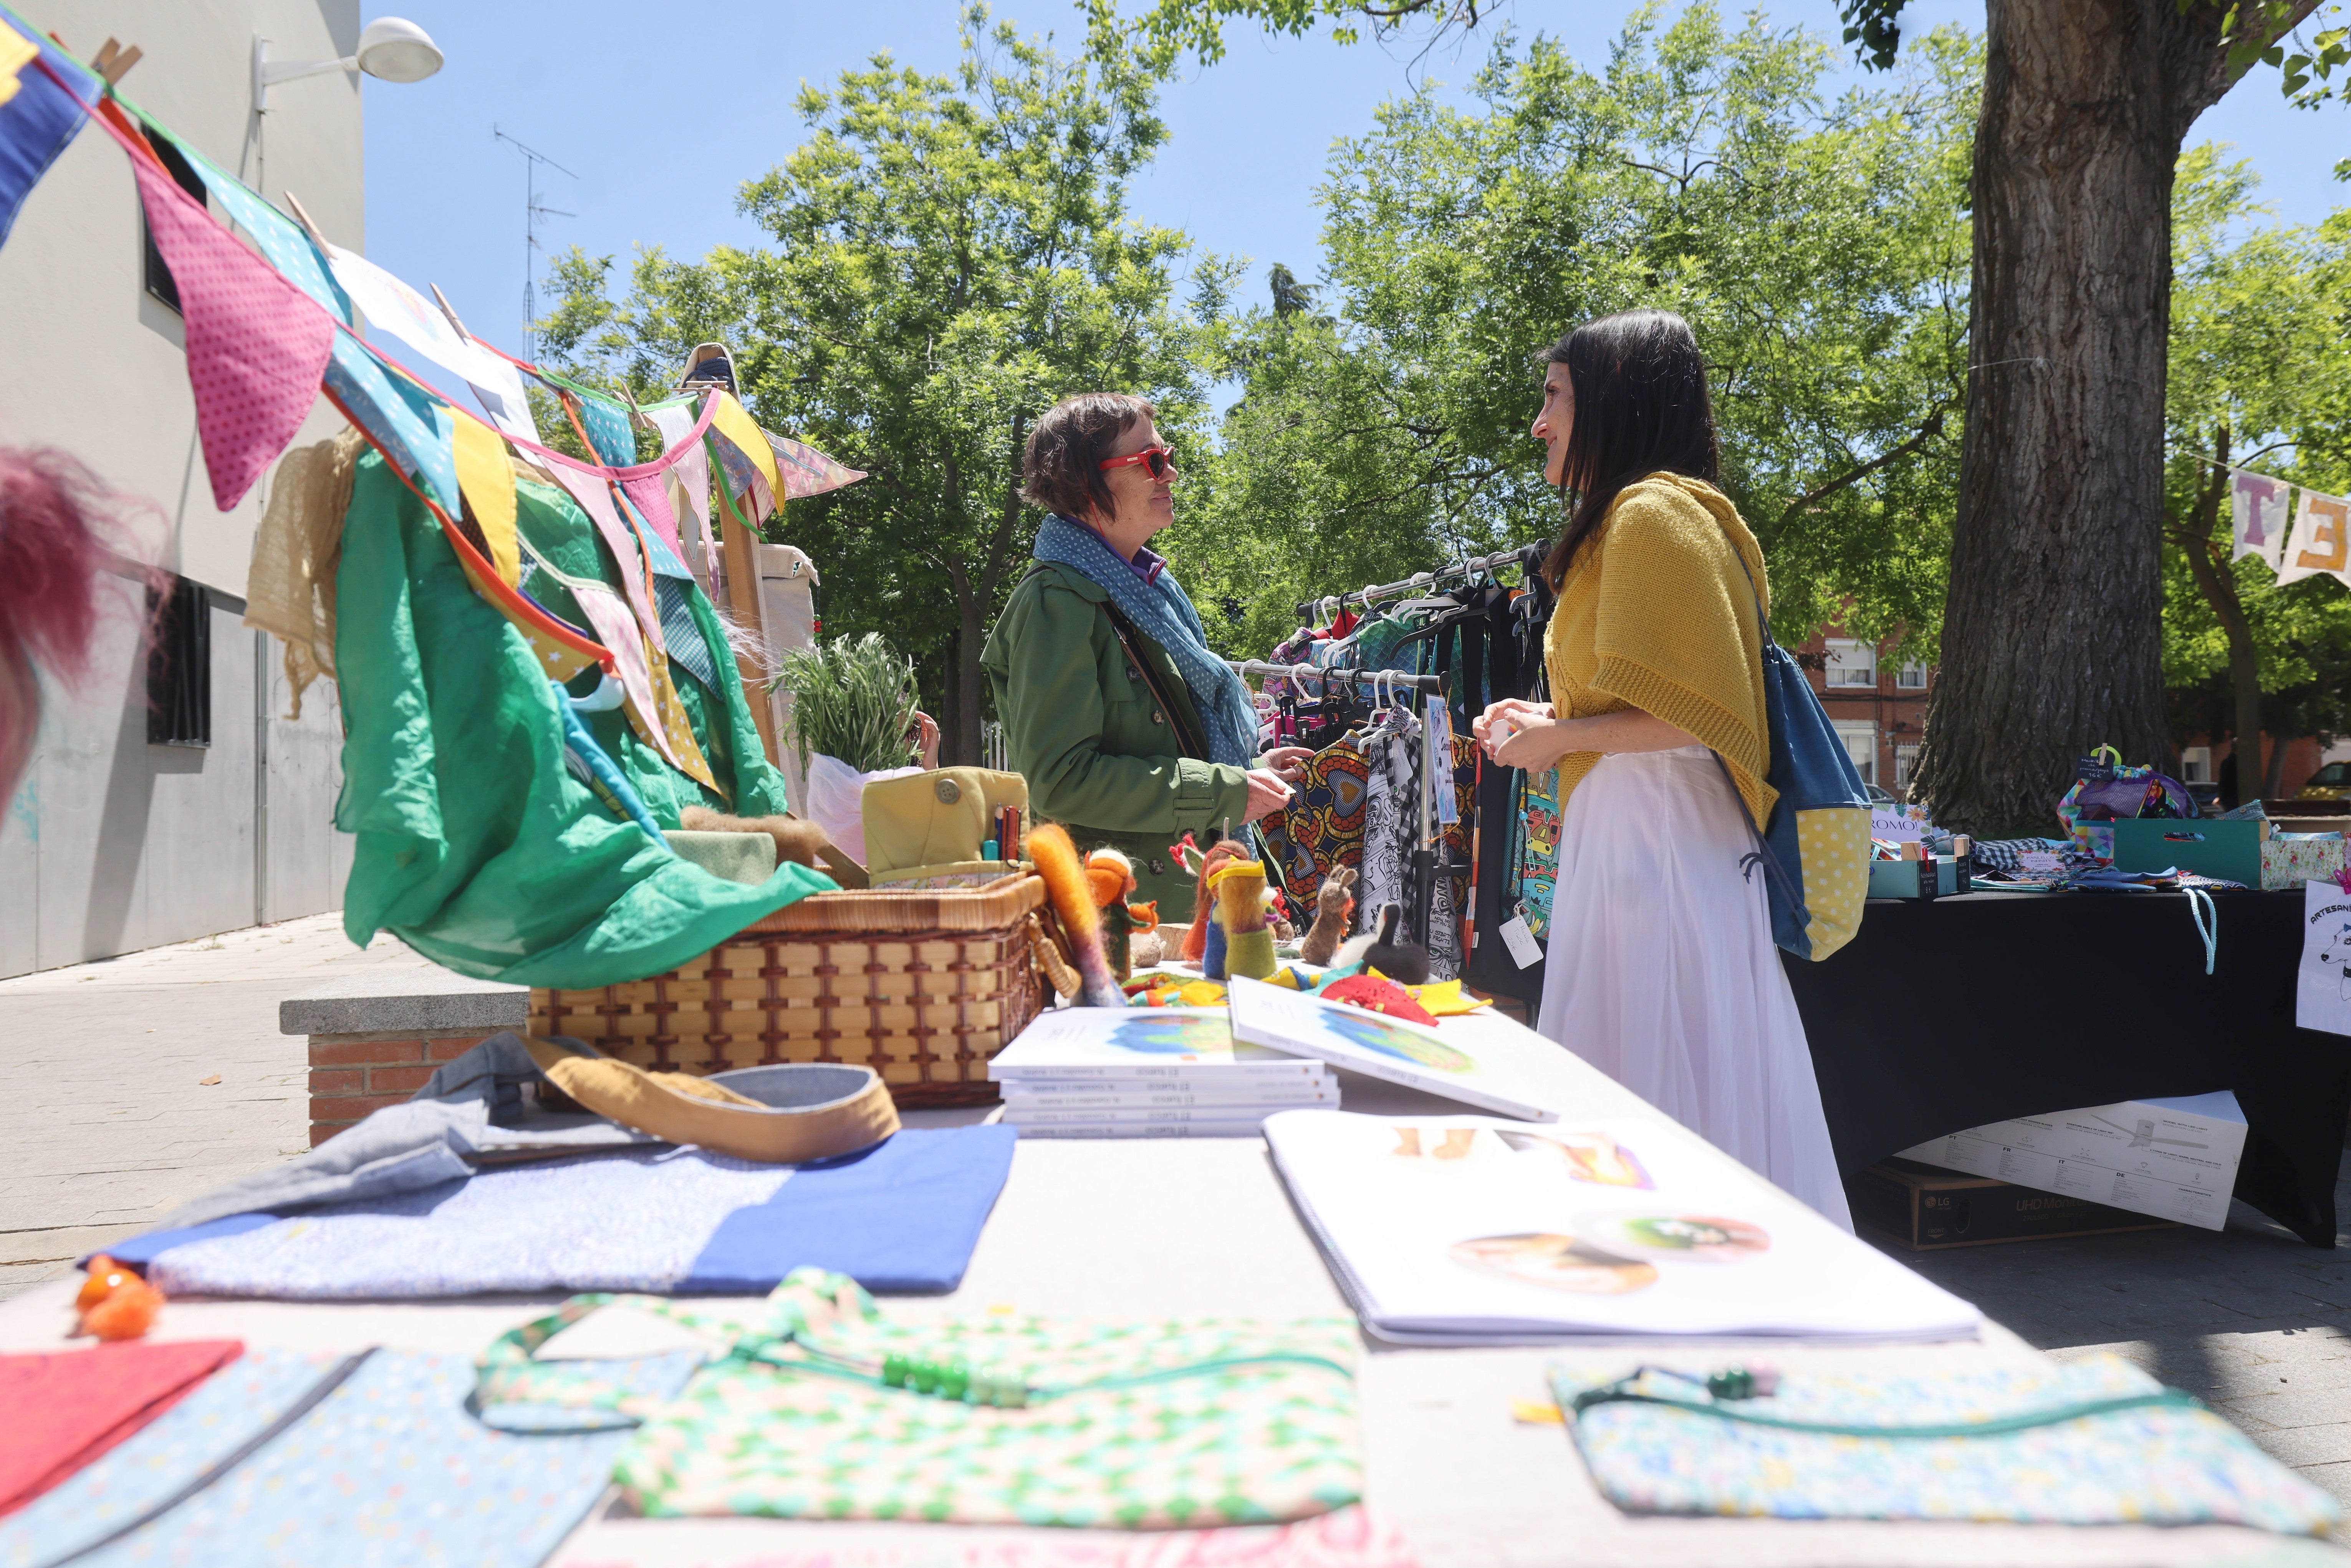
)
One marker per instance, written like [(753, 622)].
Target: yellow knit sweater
[(1656, 615)]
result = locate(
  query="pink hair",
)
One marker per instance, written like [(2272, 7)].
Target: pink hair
[(58, 530)]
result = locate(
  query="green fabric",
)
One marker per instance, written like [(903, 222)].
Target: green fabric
[(474, 844), (1080, 729)]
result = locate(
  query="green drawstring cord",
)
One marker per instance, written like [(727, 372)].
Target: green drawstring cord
[(830, 1366), (1619, 1391)]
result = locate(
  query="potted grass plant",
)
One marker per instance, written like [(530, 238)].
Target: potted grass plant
[(854, 716)]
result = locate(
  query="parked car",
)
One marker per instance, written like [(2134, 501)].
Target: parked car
[(2332, 782)]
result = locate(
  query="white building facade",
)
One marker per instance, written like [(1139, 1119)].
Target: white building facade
[(169, 796)]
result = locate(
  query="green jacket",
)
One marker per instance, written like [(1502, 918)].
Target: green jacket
[(1101, 755)]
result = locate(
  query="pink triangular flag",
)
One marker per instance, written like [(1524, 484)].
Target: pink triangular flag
[(652, 496), (256, 344)]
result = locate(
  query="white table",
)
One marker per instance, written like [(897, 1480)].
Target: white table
[(1147, 1228)]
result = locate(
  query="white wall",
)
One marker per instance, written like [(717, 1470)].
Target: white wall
[(111, 843)]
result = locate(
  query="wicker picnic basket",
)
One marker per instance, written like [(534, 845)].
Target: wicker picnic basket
[(922, 986)]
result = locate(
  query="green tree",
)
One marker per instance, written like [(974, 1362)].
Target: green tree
[(2260, 376), (1819, 248), (952, 255)]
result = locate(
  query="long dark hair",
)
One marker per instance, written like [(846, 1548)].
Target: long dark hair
[(1641, 405)]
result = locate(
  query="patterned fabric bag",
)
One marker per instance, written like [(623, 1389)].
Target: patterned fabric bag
[(1031, 1420), (1323, 827), (2094, 1442), (1538, 862)]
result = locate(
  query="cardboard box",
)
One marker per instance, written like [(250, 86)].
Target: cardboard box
[(2231, 850), (1907, 879), (2174, 1159), (1924, 1209)]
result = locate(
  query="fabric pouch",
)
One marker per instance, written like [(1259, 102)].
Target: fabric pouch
[(1187, 1423), (2092, 1442), (940, 818)]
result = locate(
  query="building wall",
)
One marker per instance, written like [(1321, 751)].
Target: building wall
[(112, 843), (1892, 715)]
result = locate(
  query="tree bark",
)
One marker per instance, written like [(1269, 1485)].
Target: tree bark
[(2051, 640)]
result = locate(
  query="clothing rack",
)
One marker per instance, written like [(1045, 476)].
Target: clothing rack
[(1432, 685), (1526, 556)]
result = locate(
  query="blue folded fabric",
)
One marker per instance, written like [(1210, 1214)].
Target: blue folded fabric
[(902, 1216)]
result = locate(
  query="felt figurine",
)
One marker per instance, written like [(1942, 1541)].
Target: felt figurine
[(1201, 863), (1383, 949), (1334, 907), (796, 841), (1071, 893), (1111, 876), (115, 1303), (1239, 892), (1146, 948)]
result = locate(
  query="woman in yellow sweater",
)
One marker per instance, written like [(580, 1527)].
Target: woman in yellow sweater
[(1661, 971)]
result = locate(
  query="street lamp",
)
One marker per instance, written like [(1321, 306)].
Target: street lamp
[(391, 48)]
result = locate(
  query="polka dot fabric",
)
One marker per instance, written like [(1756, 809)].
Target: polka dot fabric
[(257, 345), (1832, 843)]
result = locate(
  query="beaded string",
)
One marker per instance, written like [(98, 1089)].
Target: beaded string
[(993, 1383), (1733, 1384)]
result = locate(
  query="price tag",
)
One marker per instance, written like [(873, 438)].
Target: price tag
[(2040, 863), (1524, 950)]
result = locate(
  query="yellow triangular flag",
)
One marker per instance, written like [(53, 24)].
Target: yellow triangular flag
[(488, 479), (736, 425)]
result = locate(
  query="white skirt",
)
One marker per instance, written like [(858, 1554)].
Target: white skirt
[(1663, 975)]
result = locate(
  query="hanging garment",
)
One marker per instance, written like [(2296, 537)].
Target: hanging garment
[(1322, 826), (474, 844), (1143, 1425), (1388, 826), (289, 592), (1662, 974)]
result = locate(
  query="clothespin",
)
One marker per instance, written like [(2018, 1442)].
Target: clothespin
[(114, 61), (449, 310), (317, 236)]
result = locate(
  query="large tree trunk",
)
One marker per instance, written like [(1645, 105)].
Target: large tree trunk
[(2051, 642)]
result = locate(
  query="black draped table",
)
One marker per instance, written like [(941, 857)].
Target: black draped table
[(1952, 1012)]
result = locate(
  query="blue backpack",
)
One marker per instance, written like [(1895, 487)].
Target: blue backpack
[(1816, 853)]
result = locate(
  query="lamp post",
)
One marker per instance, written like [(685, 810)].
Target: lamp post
[(391, 48)]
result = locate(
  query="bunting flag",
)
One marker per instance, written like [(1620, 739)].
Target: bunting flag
[(2320, 539), (256, 345), (807, 472), (281, 239), (609, 435), (595, 497), (2259, 510), (738, 428), (395, 307), (38, 118), (414, 429), (487, 480), (651, 494)]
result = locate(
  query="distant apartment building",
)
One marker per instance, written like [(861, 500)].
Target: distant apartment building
[(1876, 700), (170, 797)]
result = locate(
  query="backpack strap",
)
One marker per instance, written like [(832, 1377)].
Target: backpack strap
[(1762, 854)]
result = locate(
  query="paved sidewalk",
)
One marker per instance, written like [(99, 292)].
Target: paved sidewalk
[(111, 1123), (109, 1120)]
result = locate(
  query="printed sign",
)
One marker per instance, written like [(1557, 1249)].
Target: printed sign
[(2323, 991), (1901, 824)]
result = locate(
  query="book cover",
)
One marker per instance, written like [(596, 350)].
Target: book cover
[(1186, 1045), (1411, 1054), (1468, 1230)]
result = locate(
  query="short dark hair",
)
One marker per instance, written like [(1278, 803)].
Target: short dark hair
[(1061, 471), (1641, 408)]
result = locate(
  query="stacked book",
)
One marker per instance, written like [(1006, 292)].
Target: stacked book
[(1149, 1072)]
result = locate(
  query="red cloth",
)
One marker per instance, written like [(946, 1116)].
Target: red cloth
[(1379, 996), (62, 1411)]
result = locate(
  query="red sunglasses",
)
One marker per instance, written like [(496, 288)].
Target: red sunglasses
[(1160, 460)]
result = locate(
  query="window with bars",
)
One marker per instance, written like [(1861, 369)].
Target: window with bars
[(159, 278), (1911, 677), (180, 666), (1906, 765)]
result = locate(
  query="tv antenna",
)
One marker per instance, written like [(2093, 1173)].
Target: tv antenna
[(531, 213)]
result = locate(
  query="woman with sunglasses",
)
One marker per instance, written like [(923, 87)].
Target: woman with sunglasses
[(1129, 728), (1661, 971)]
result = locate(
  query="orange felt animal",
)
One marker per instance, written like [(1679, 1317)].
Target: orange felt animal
[(116, 1304)]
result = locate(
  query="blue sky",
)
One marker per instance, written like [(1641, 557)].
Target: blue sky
[(664, 111)]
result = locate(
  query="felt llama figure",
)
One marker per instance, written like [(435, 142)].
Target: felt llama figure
[(1334, 907), (1239, 888), (1205, 943)]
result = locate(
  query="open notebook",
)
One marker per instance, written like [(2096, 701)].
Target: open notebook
[(1473, 1230)]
